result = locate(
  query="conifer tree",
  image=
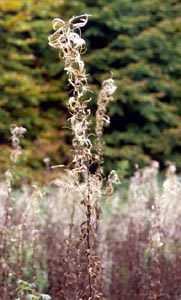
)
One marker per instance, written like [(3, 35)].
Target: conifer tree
[(138, 40)]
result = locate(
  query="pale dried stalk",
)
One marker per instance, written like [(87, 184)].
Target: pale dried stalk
[(7, 240), (67, 38), (102, 119)]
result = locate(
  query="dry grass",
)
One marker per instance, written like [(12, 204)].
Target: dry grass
[(139, 249)]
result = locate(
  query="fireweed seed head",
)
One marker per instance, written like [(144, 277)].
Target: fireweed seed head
[(105, 96), (102, 119), (109, 86), (65, 38), (16, 134)]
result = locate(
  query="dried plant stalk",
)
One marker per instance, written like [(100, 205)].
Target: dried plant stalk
[(8, 233), (67, 38)]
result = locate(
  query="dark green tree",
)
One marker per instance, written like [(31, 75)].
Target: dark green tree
[(139, 41), (31, 92)]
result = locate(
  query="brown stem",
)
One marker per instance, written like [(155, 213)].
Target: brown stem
[(89, 244)]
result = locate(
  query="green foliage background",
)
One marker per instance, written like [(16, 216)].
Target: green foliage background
[(139, 41)]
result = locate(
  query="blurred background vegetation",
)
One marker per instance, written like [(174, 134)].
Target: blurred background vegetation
[(139, 41)]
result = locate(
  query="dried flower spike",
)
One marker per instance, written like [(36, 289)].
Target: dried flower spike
[(16, 134), (67, 38), (105, 97)]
